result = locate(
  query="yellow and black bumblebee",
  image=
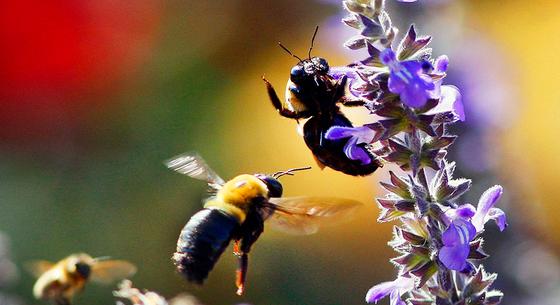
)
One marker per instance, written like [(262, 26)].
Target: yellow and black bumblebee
[(237, 211), (59, 282), (312, 93)]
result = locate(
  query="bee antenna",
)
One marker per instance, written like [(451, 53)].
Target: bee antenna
[(286, 49), (289, 172), (312, 41)]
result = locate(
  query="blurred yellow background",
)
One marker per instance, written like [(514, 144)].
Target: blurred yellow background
[(94, 96)]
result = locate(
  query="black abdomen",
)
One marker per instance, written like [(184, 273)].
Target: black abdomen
[(202, 241), (331, 152)]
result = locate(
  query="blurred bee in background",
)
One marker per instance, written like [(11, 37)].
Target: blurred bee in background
[(237, 210), (59, 282), (312, 93)]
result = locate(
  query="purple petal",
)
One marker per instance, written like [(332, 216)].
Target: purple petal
[(441, 64), (354, 152), (456, 241), (460, 231), (380, 291), (395, 298), (338, 72), (388, 57), (412, 66), (499, 217), (451, 99), (486, 202), (339, 132), (396, 84), (414, 95), (466, 211), (454, 257), (362, 134)]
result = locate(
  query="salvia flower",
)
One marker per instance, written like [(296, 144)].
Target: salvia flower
[(394, 289), (408, 80), (356, 136), (439, 240), (456, 244)]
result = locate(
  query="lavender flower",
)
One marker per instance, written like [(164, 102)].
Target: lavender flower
[(439, 240)]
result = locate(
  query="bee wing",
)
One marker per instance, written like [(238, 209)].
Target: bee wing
[(38, 267), (192, 165), (304, 215), (109, 271)]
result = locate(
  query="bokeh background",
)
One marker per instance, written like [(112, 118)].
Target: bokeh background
[(94, 95)]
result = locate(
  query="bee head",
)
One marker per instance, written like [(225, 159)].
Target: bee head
[(274, 186), (320, 65), (80, 264), (307, 68), (83, 269)]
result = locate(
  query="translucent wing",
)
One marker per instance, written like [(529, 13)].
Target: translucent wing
[(304, 215), (192, 165), (107, 272), (37, 268)]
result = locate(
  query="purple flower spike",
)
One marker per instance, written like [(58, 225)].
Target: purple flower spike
[(395, 289), (408, 80), (486, 210), (357, 135), (456, 244)]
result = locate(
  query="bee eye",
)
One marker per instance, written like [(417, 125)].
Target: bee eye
[(297, 73), (275, 189)]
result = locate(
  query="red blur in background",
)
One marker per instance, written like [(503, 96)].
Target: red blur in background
[(59, 58)]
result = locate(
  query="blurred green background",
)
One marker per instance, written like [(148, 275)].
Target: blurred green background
[(95, 95)]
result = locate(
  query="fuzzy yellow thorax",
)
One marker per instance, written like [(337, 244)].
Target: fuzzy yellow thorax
[(236, 196)]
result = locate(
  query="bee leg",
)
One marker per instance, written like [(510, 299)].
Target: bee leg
[(254, 226), (241, 273), (340, 89), (340, 95), (350, 101), (277, 103)]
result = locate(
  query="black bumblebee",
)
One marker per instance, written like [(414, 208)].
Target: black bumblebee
[(312, 93), (237, 211)]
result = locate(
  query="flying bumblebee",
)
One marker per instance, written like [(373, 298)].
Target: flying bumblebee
[(311, 93), (59, 282), (237, 211)]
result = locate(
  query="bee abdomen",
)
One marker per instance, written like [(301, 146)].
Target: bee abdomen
[(202, 241)]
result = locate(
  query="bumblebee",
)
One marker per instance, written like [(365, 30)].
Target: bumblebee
[(237, 211), (311, 93), (59, 282)]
